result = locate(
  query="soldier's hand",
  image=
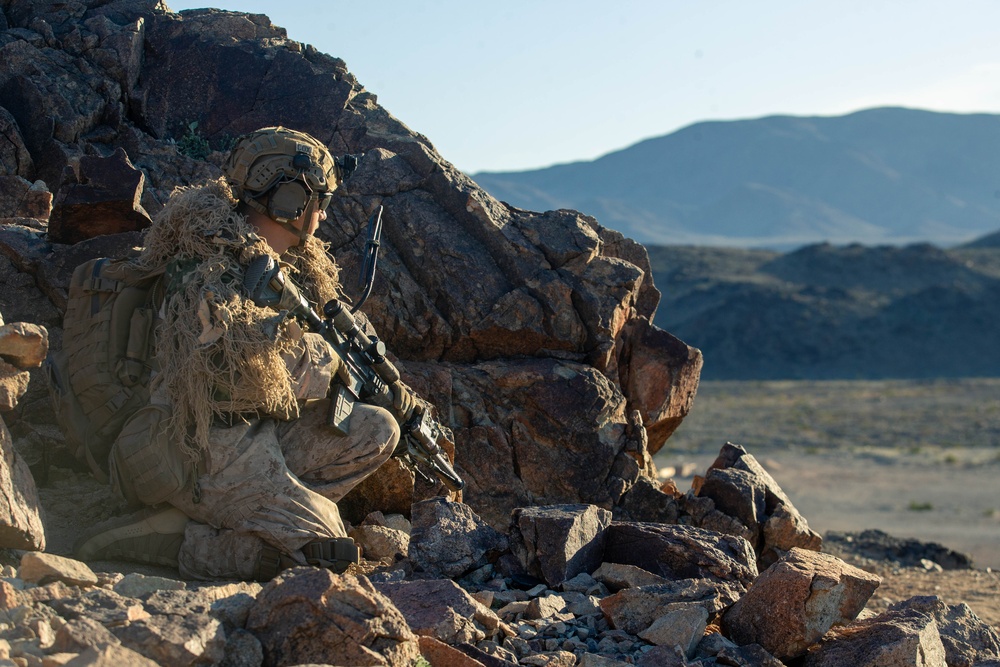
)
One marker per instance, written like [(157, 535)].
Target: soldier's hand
[(404, 402)]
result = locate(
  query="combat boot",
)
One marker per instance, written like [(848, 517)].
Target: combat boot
[(152, 535), (335, 553)]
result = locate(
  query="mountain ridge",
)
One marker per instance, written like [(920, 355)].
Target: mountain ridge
[(885, 175), (834, 312)]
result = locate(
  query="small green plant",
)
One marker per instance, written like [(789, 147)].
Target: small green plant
[(421, 662), (920, 507), (991, 513), (192, 144), (226, 142)]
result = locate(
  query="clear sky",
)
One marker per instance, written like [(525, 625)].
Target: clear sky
[(521, 84)]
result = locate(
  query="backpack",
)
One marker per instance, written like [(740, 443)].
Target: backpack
[(101, 375)]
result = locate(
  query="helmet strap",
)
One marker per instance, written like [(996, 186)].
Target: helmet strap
[(302, 233)]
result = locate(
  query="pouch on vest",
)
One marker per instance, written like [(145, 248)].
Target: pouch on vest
[(99, 378), (146, 466)]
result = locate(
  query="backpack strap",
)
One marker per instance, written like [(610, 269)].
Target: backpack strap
[(96, 284)]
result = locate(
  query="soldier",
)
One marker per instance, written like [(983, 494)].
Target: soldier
[(233, 454)]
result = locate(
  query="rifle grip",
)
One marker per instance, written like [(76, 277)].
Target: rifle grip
[(341, 406)]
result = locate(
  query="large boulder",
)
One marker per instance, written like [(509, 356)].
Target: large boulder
[(306, 615), (558, 542), (530, 332), (794, 602), (903, 637), (739, 497), (20, 511)]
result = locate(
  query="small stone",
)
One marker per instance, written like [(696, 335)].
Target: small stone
[(378, 542), (512, 609), (135, 585), (617, 576), (684, 627), (589, 605), (41, 568), (484, 598), (80, 634), (549, 607), (581, 583)]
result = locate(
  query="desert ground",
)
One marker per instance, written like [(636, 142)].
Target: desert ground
[(917, 459), (913, 458)]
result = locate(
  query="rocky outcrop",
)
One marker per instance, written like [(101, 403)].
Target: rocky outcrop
[(22, 346), (530, 332), (738, 497)]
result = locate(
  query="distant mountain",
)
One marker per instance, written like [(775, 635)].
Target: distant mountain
[(828, 312), (882, 176)]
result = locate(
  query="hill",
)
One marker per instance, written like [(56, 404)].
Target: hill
[(881, 176), (826, 312)]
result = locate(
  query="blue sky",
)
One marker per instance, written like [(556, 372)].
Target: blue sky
[(524, 84)]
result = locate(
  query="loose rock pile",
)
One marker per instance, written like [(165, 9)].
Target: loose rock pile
[(587, 609)]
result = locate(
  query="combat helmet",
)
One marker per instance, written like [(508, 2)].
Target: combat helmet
[(280, 172)]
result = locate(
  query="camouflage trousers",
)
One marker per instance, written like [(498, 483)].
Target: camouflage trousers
[(277, 483)]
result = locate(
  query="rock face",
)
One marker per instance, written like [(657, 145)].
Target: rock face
[(104, 199), (24, 345), (531, 332)]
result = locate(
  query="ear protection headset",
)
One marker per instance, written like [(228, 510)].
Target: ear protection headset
[(282, 174)]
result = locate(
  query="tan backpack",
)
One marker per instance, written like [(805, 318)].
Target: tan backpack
[(101, 375)]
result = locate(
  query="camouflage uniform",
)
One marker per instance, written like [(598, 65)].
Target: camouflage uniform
[(264, 482), (269, 482), (245, 388)]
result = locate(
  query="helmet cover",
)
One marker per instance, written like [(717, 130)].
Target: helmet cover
[(272, 156)]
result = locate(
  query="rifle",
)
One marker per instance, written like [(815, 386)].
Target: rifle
[(368, 374)]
